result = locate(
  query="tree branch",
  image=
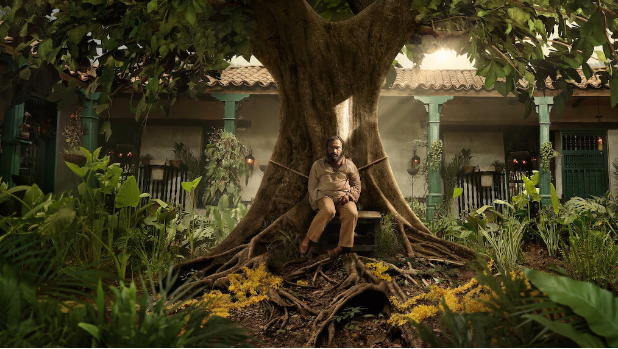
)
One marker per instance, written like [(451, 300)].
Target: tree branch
[(432, 31), (507, 59), (606, 10), (609, 42)]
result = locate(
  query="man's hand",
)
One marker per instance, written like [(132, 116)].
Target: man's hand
[(344, 200)]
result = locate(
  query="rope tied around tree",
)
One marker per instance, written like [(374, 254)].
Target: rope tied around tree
[(300, 174)]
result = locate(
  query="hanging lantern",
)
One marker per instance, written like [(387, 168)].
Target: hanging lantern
[(416, 164), (250, 161)]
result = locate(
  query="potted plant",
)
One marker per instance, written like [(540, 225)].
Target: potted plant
[(465, 158), (179, 150), (498, 165), (72, 133), (145, 159), (547, 153), (434, 156)]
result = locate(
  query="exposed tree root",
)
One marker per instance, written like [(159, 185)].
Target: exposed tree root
[(251, 250), (403, 272), (302, 307), (327, 278), (331, 334), (363, 280), (274, 320), (304, 270)]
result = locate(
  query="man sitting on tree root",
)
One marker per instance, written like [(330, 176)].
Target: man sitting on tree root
[(334, 186)]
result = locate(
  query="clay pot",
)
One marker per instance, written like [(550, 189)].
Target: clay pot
[(176, 163), (77, 159), (467, 169)]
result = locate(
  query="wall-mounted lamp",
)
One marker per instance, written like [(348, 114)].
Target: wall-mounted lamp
[(416, 164), (250, 161)]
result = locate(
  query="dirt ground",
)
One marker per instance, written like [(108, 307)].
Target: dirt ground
[(367, 327)]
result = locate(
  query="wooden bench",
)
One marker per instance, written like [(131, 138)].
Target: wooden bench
[(365, 233)]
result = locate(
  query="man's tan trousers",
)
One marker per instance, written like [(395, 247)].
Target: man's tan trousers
[(348, 214)]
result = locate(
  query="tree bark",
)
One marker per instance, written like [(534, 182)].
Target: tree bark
[(329, 77)]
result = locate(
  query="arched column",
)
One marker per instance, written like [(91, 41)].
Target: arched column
[(232, 102), (90, 122), (543, 108), (433, 106)]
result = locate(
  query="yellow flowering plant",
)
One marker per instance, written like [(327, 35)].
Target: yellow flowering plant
[(253, 287), (487, 311), (378, 270), (245, 290)]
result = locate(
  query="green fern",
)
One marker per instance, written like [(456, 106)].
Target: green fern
[(581, 206)]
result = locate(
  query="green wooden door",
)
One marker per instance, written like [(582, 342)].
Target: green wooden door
[(584, 164)]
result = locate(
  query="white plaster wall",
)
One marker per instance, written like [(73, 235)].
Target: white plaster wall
[(158, 141), (486, 147), (467, 111), (401, 120), (263, 112)]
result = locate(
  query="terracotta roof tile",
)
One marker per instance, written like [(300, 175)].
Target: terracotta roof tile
[(466, 80), (244, 76), (407, 79)]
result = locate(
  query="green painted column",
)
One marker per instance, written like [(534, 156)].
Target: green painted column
[(90, 120), (232, 102), (433, 105), (543, 108), (11, 145)]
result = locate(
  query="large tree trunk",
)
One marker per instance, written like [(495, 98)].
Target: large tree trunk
[(329, 77)]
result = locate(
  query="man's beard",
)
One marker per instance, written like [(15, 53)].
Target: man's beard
[(334, 157)]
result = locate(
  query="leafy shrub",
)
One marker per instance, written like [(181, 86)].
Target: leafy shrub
[(505, 242), (283, 249), (387, 242), (222, 220), (592, 256), (419, 209), (225, 166), (549, 230), (465, 231), (192, 163), (446, 227), (106, 219), (449, 175)]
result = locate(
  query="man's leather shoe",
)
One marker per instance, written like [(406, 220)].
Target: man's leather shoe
[(303, 248)]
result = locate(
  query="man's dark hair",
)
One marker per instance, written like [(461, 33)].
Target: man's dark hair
[(335, 138)]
